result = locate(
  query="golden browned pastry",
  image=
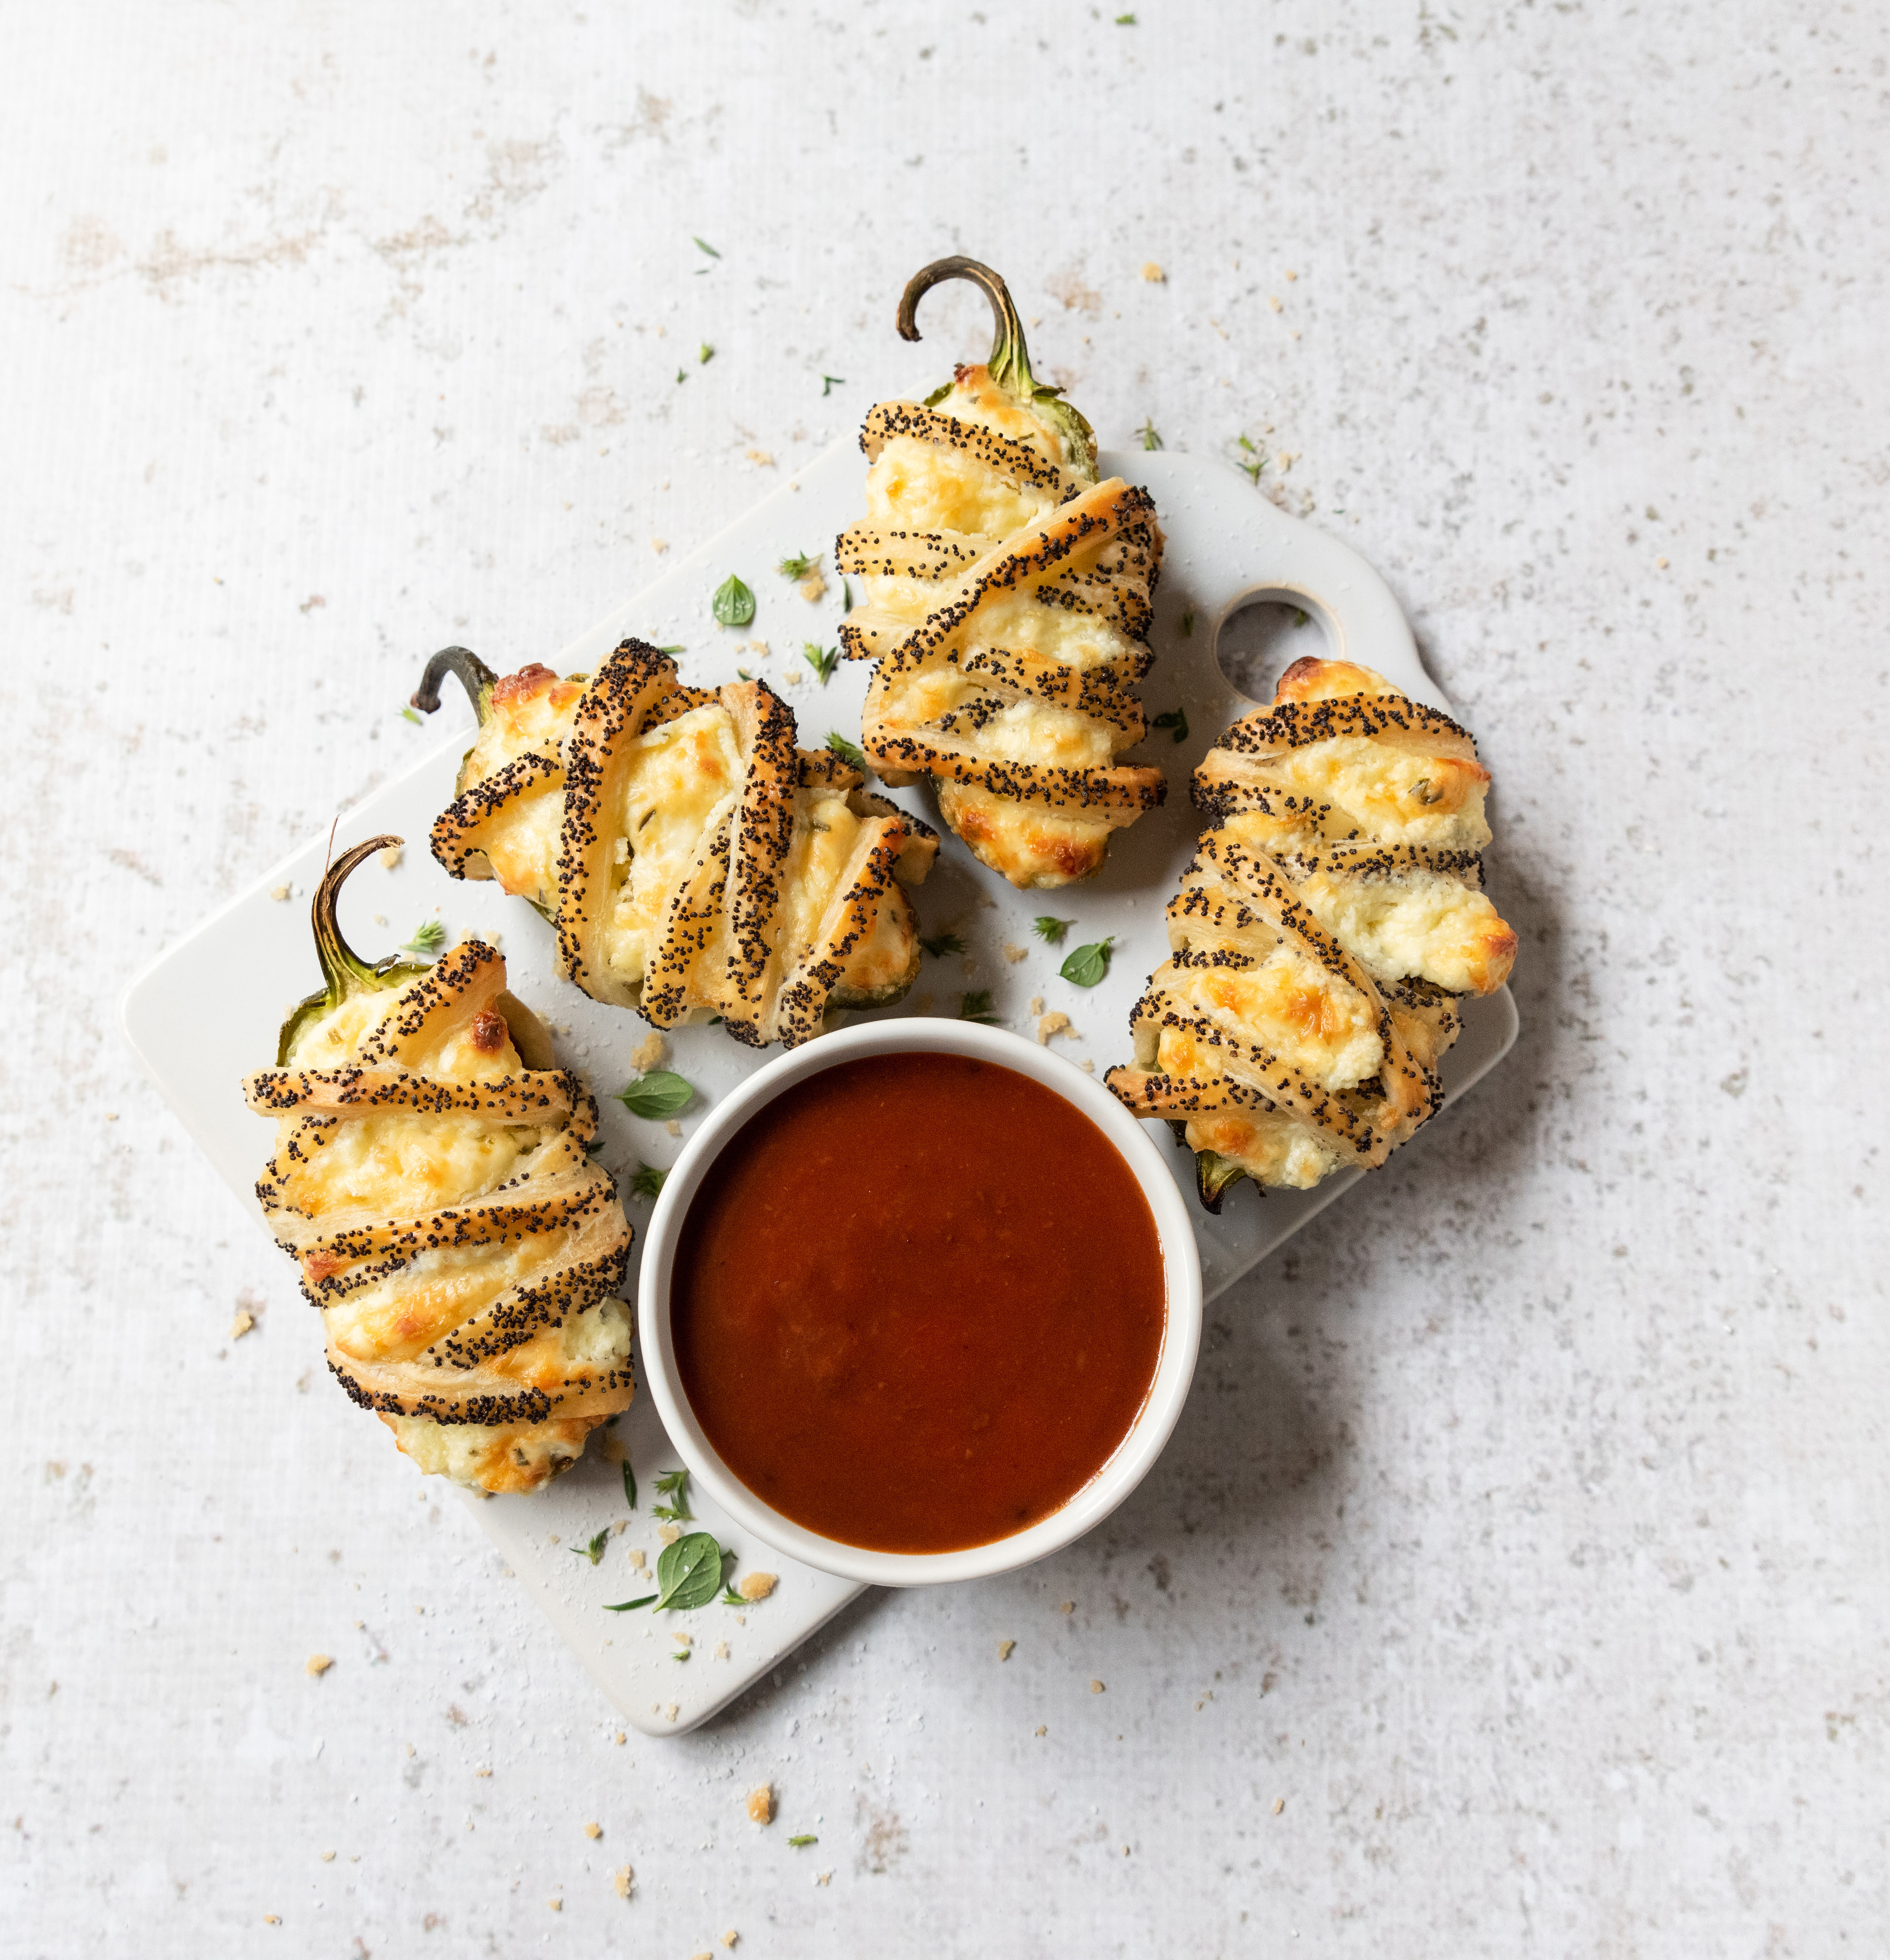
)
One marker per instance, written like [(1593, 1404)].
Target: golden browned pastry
[(1321, 936), (1007, 601), (696, 863), (430, 1178)]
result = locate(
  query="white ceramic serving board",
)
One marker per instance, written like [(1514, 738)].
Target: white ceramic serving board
[(199, 1037)]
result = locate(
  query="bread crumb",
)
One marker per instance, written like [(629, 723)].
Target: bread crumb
[(659, 545), (791, 678), (620, 1739), (279, 893), (761, 1805), (624, 1878), (328, 1857), (758, 648), (593, 1830), (1660, 564), (1087, 1066), (272, 1919), (1014, 953), (1154, 274), (556, 1904), (812, 588), (761, 458), (1041, 1730), (1095, 1688), (390, 857), (318, 1664), (1052, 1024), (1273, 301), (241, 1326), (823, 1878), (1279, 1804), (757, 1585), (672, 1711), (1292, 275), (1036, 1003), (1068, 1606), (647, 1054), (111, 1115), (683, 1640), (721, 1650), (1004, 1648), (483, 1773), (730, 1937), (669, 1534), (637, 1557)]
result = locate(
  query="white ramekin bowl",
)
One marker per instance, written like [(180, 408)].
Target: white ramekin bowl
[(1180, 1339)]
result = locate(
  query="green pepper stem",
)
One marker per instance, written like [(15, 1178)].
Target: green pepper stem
[(1009, 362), (344, 970), (471, 672)]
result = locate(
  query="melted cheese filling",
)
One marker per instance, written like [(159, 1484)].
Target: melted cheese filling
[(1290, 1005), (1432, 801)]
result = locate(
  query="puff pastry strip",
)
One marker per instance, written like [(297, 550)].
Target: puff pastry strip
[(1320, 936)]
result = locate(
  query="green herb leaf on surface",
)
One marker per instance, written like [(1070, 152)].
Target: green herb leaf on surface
[(674, 1484), (945, 943), (429, 937), (595, 1147), (733, 604), (707, 354), (629, 1484), (849, 752), (703, 245), (1051, 930), (688, 1573), (977, 1007), (732, 1598), (1187, 623), (822, 660), (1151, 436), (1176, 718), (798, 565), (647, 1180), (594, 1551), (660, 1093), (1257, 462), (1088, 964), (631, 1605), (846, 597), (673, 649), (938, 394), (408, 714), (830, 382), (806, 1837)]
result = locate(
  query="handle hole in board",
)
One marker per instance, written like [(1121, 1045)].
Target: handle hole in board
[(1265, 635)]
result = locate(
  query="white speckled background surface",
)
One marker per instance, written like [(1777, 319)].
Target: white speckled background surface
[(1528, 1533)]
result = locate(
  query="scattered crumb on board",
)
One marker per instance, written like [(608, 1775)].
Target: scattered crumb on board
[(318, 1665), (761, 1805)]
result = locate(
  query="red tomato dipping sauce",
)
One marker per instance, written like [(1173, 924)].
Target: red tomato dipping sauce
[(917, 1302)]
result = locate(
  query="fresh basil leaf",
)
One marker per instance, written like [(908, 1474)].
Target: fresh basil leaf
[(689, 1573), (733, 604), (1088, 964), (1051, 930), (631, 1605), (662, 1093)]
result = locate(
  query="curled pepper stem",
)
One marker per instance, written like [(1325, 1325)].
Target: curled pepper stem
[(343, 972), (343, 969), (468, 669), (1009, 362)]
